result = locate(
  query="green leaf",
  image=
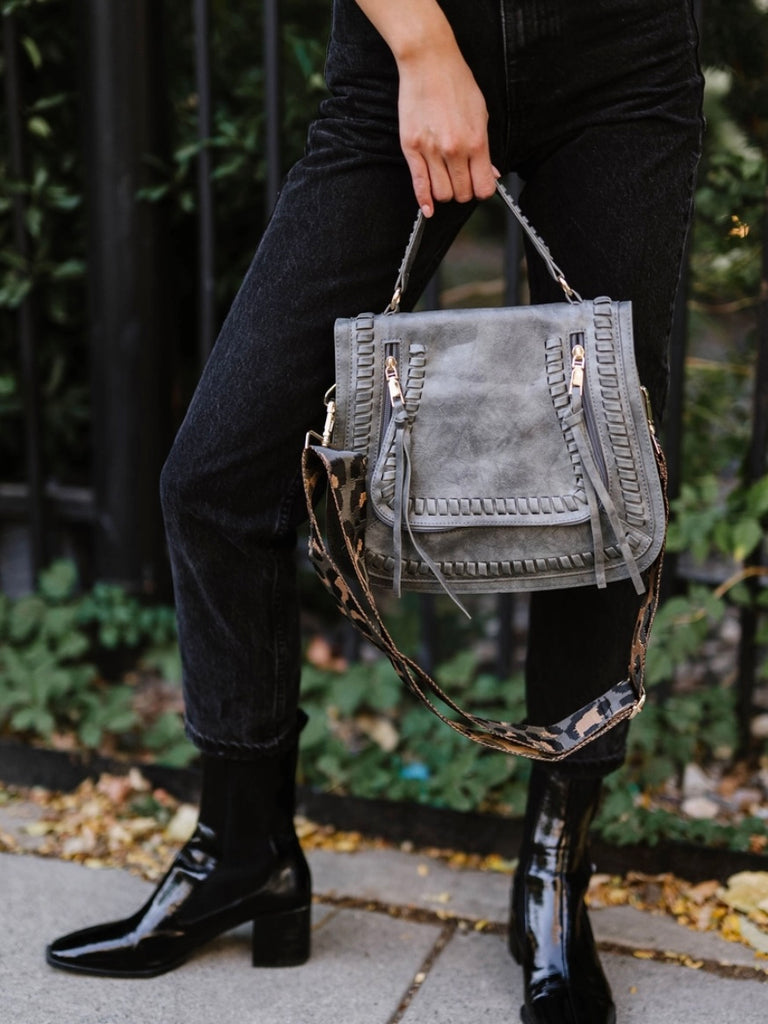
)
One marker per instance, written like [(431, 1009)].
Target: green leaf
[(40, 127), (72, 646), (316, 732), (69, 270), (59, 581), (90, 734), (747, 534), (349, 691), (164, 658), (33, 52), (34, 219), (25, 618), (33, 719), (757, 498), (14, 291), (153, 193)]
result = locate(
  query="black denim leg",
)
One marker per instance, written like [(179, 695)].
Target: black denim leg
[(613, 199), (230, 488)]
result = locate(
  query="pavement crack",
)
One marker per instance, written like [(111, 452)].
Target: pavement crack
[(446, 934), (420, 915), (737, 972), (450, 923)]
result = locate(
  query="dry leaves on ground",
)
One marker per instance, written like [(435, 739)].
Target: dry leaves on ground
[(120, 821), (737, 911)]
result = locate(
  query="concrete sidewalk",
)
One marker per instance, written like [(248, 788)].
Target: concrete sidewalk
[(397, 937)]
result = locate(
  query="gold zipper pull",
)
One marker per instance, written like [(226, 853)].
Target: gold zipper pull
[(577, 368), (393, 380)]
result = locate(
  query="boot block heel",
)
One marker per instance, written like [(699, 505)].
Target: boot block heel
[(282, 939)]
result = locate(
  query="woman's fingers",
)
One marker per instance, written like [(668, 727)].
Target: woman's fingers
[(422, 183), (441, 179)]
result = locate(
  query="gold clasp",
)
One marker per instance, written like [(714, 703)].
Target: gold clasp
[(648, 409), (330, 415), (570, 293), (394, 302), (330, 420), (639, 706)]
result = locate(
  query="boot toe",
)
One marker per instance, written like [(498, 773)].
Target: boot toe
[(112, 951)]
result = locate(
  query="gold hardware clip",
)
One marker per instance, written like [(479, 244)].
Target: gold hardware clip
[(330, 415), (639, 706), (330, 420), (394, 302), (648, 409)]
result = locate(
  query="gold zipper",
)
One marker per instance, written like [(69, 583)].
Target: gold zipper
[(393, 380), (577, 368)]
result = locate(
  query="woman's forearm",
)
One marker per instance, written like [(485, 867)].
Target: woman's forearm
[(442, 112), (411, 28)]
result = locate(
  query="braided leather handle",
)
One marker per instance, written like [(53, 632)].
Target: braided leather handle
[(538, 243)]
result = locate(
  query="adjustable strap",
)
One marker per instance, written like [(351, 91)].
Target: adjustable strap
[(340, 566)]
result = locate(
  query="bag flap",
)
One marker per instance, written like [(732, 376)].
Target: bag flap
[(486, 394)]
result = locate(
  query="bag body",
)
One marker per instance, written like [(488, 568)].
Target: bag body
[(509, 415)]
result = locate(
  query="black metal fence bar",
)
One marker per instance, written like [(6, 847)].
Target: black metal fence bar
[(205, 215), (129, 293), (272, 101), (26, 317)]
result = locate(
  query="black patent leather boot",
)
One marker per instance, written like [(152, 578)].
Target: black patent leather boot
[(549, 930), (243, 863)]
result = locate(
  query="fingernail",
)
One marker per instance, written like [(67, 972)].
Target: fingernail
[(496, 172), (426, 210)]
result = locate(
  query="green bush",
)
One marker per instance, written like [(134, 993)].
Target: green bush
[(368, 736), (54, 271), (53, 644)]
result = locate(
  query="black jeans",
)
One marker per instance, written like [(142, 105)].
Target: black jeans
[(596, 105)]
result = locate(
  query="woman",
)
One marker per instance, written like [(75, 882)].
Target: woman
[(596, 106)]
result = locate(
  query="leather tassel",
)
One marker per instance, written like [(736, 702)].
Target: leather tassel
[(594, 486), (402, 500)]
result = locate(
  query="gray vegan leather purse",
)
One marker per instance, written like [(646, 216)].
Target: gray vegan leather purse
[(490, 450)]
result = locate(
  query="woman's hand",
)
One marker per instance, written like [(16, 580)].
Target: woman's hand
[(442, 112), (444, 130)]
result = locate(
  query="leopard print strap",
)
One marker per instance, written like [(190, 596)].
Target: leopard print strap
[(339, 562)]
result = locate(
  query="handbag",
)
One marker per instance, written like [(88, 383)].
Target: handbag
[(490, 451)]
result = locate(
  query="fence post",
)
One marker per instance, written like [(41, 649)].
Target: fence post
[(27, 334), (272, 102), (205, 223), (124, 105)]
